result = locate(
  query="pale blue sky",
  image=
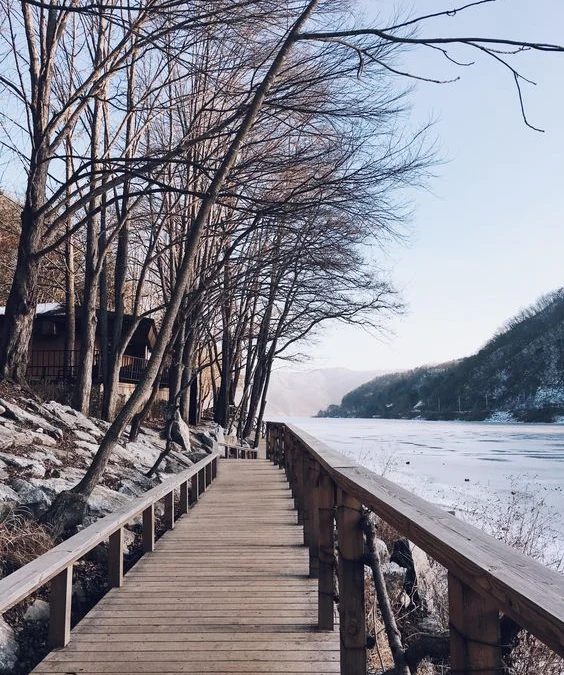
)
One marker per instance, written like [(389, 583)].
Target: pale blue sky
[(488, 238)]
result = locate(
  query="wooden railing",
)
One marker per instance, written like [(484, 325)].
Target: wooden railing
[(485, 576), (56, 565)]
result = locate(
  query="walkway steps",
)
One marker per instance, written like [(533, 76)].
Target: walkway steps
[(225, 592)]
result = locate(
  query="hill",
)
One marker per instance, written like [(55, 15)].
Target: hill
[(303, 393), (520, 371)]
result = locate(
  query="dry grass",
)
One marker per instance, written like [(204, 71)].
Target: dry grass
[(22, 539)]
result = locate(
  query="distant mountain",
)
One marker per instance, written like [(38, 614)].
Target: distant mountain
[(520, 371), (304, 393)]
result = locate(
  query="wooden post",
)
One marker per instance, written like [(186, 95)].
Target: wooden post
[(214, 468), (195, 491), (313, 511), (207, 469), (351, 585), (474, 631), (299, 466), (326, 586), (115, 559), (183, 497), (60, 609), (201, 481), (169, 510), (305, 494), (149, 529)]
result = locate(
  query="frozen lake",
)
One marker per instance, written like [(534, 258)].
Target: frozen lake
[(469, 466)]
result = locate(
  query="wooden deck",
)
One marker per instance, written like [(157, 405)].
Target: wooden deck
[(226, 591)]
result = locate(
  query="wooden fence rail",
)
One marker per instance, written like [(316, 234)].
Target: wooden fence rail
[(485, 576), (56, 565)]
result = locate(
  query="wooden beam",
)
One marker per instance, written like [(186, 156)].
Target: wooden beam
[(195, 491), (183, 504), (60, 609), (326, 585), (149, 529), (351, 585), (115, 559), (169, 510), (313, 511), (474, 631)]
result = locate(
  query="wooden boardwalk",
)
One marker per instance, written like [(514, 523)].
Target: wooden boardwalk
[(226, 591)]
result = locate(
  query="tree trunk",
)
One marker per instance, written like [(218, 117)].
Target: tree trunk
[(57, 514)]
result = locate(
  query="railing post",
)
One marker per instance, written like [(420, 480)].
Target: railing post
[(208, 471), (60, 609), (474, 631), (201, 481), (169, 510), (351, 585), (214, 468), (149, 529), (183, 505), (115, 559), (299, 468), (306, 488), (313, 510), (326, 585), (195, 490)]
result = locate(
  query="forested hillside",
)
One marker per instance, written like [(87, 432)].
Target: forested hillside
[(520, 370)]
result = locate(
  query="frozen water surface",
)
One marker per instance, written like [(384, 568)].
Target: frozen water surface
[(456, 464)]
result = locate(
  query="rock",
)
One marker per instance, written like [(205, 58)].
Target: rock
[(41, 456), (8, 648), (128, 539), (6, 439), (84, 436), (180, 432), (205, 440), (142, 454), (32, 496), (37, 611), (25, 417), (72, 418), (176, 462), (7, 494), (2, 410), (394, 576), (30, 466), (418, 576), (104, 501)]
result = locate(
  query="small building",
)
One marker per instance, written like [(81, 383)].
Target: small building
[(47, 355)]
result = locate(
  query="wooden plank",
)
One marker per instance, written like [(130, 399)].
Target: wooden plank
[(169, 510)]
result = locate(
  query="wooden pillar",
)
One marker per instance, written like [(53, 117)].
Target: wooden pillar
[(299, 466), (208, 471), (201, 481), (326, 586), (313, 510), (60, 609), (183, 497), (169, 510), (351, 585), (474, 631), (149, 529), (305, 494), (195, 491), (115, 559), (214, 468)]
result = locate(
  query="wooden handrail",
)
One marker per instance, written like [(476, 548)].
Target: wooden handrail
[(56, 563), (481, 569)]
